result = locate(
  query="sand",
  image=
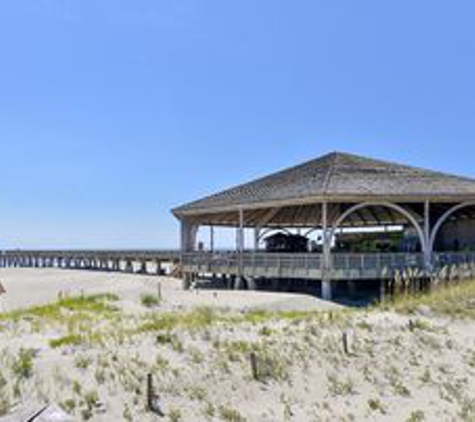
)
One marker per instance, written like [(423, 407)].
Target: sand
[(31, 287), (334, 365)]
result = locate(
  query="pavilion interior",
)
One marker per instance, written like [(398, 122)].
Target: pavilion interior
[(374, 228)]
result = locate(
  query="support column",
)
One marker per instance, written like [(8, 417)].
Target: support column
[(257, 235), (251, 283), (159, 267), (211, 238), (143, 267), (188, 244), (326, 267), (188, 236), (428, 247), (240, 248)]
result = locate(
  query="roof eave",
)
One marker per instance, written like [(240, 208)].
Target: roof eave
[(183, 212)]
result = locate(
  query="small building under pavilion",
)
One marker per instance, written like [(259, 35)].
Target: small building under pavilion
[(410, 218)]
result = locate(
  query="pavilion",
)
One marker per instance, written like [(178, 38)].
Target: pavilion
[(332, 194)]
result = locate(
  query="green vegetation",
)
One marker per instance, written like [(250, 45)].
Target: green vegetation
[(202, 318), (68, 405), (209, 411), (230, 415), (238, 351), (23, 365), (174, 415), (4, 404), (197, 319), (340, 387), (377, 406), (60, 310), (69, 340), (82, 362), (149, 301), (416, 416), (4, 399), (456, 300)]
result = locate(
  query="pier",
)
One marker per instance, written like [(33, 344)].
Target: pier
[(129, 261)]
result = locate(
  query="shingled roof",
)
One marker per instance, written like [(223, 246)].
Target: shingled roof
[(337, 177)]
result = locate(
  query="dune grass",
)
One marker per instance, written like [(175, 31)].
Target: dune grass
[(204, 317), (92, 304), (68, 340), (455, 300), (149, 301)]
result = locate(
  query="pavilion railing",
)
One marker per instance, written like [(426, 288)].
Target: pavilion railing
[(310, 265), (443, 259), (379, 261), (253, 263)]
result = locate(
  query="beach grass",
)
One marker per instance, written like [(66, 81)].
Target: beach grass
[(455, 300)]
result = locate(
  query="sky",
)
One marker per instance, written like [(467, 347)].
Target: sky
[(112, 112)]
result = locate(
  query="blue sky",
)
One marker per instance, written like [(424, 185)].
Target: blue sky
[(112, 112)]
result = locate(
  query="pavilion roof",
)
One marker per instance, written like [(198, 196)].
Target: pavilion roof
[(337, 177)]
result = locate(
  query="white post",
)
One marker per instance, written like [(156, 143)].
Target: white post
[(188, 236), (241, 231), (211, 238), (427, 248), (326, 279), (188, 244), (257, 234), (240, 247)]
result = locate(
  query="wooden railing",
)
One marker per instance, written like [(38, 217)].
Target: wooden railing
[(442, 259), (306, 265), (253, 264), (310, 265), (379, 261)]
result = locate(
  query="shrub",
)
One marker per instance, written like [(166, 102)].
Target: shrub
[(417, 416), (268, 366), (149, 301), (338, 387), (69, 340), (230, 415), (4, 402), (82, 362), (23, 365), (68, 405), (376, 406), (174, 415)]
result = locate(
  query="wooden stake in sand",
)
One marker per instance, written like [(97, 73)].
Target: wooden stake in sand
[(153, 400), (254, 366), (159, 291), (2, 292)]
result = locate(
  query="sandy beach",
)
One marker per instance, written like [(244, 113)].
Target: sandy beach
[(223, 355), (33, 287)]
